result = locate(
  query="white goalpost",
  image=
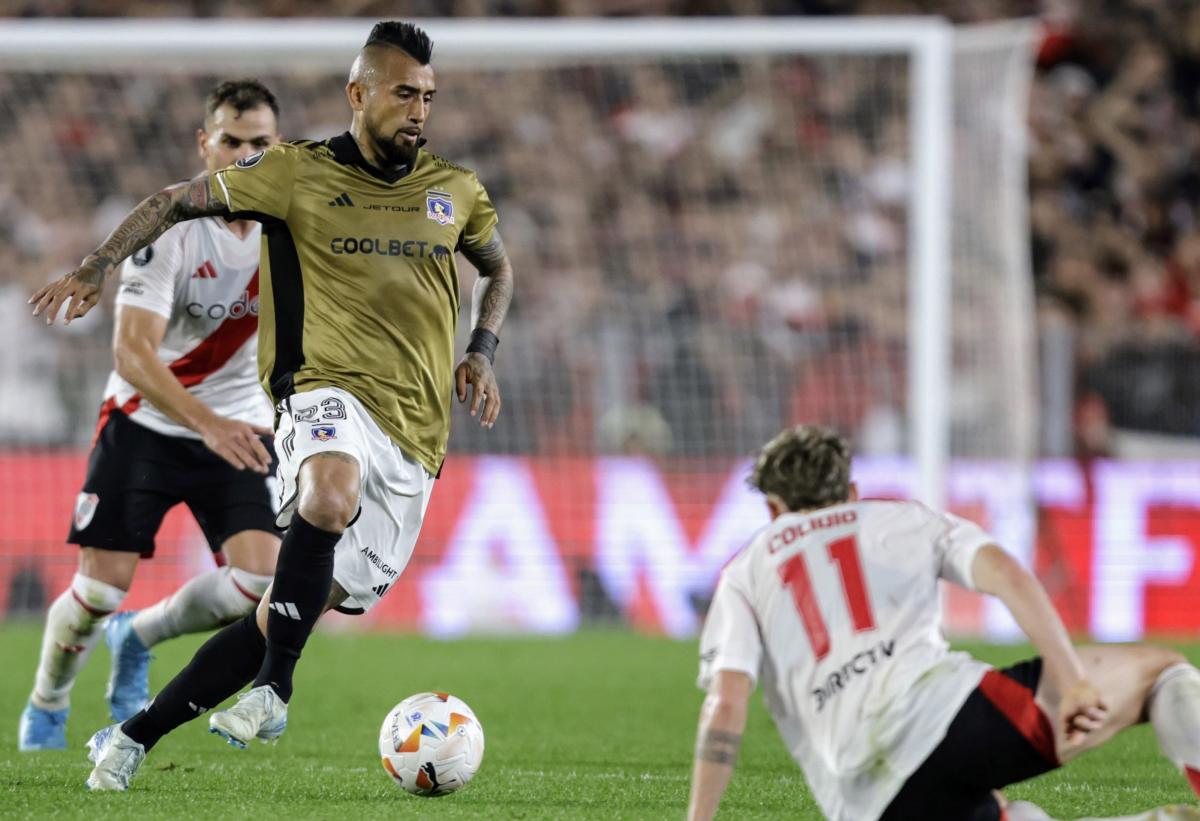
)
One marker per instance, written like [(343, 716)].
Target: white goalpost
[(750, 222)]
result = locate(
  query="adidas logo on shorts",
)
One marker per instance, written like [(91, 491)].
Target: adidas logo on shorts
[(380, 589)]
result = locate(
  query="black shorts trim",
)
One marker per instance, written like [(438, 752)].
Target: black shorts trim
[(992, 742), (135, 475)]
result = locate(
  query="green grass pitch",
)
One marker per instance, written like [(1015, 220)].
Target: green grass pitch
[(599, 725)]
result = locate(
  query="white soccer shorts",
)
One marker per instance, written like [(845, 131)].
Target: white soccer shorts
[(394, 488)]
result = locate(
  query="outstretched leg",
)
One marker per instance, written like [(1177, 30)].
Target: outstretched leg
[(1139, 683)]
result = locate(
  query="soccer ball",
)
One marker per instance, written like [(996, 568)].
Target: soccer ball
[(431, 744)]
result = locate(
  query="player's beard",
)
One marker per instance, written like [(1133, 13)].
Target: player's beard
[(394, 150)]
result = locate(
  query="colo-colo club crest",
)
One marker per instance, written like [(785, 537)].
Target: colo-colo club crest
[(439, 207)]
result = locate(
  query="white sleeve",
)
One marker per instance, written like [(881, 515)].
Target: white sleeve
[(730, 639), (956, 545), (148, 277)]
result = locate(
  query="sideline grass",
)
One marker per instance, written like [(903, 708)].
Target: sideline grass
[(598, 725)]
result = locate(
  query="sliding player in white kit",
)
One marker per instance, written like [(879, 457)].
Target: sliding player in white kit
[(834, 606), (184, 419)]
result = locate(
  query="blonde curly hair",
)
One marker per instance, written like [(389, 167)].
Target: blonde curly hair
[(805, 467)]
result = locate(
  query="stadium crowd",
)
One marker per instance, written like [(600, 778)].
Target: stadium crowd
[(698, 262)]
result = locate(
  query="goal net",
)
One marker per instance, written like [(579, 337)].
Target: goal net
[(718, 229)]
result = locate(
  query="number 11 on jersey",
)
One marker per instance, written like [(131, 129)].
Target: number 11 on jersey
[(794, 572)]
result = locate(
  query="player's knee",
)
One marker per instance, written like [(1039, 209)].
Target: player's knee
[(109, 566), (1161, 658), (1152, 662), (253, 552), (328, 508), (258, 564)]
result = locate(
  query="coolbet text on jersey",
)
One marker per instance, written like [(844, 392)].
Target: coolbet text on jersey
[(359, 282), (837, 612)]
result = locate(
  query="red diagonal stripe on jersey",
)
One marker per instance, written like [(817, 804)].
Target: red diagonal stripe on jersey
[(217, 348), (212, 272), (201, 361), (110, 405)]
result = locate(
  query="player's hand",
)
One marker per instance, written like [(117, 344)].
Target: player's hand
[(238, 443), (476, 370), (82, 287), (1081, 711)]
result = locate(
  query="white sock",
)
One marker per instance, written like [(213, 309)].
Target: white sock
[(207, 601), (1025, 811), (1172, 812), (1175, 713), (73, 627)]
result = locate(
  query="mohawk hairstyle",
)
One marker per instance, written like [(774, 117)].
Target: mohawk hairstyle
[(405, 36), (242, 95), (806, 467)]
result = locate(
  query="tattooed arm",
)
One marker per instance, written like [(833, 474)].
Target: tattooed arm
[(493, 291), (489, 305), (146, 223), (722, 721)]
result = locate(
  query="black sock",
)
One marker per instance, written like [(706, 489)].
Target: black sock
[(303, 578), (221, 667)]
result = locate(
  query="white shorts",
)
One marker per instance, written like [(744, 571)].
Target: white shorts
[(394, 488)]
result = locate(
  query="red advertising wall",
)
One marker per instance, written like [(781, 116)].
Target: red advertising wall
[(526, 545)]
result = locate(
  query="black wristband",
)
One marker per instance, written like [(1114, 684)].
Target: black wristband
[(484, 341)]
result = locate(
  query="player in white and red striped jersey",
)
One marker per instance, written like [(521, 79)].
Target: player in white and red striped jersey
[(201, 279), (184, 419), (834, 608)]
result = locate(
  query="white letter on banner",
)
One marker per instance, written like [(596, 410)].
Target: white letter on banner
[(639, 533), (1012, 498), (502, 570), (1124, 558), (1006, 492)]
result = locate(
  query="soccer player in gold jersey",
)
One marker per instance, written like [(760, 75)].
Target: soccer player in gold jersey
[(356, 328)]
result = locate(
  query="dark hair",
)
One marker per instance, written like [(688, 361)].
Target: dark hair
[(405, 36), (242, 95), (806, 467)]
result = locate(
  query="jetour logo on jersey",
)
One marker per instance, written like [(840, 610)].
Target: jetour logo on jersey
[(240, 307)]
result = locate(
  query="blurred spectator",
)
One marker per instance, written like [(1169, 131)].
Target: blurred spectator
[(656, 214)]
